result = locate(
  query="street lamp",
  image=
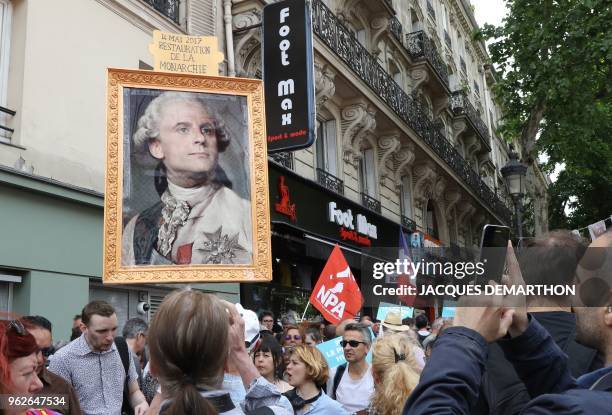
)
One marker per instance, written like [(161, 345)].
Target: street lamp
[(514, 174)]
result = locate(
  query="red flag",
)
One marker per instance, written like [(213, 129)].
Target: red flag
[(336, 295)]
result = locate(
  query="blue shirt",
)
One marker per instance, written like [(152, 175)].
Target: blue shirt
[(324, 406)]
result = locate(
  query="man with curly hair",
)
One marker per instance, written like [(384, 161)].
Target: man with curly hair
[(199, 220)]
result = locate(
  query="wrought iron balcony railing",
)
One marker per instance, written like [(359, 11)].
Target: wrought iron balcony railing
[(395, 27), (370, 203), (340, 40), (408, 223), (329, 181), (6, 131), (461, 105), (430, 10), (447, 39), (169, 8), (419, 45), (284, 158)]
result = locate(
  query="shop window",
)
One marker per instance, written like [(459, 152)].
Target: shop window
[(326, 148), (5, 43), (406, 197), (367, 177), (432, 222)]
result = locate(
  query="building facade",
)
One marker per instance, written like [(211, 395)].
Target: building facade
[(406, 120), (406, 135), (53, 61)]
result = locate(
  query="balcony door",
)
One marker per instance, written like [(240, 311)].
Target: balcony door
[(326, 148), (367, 175), (406, 199)]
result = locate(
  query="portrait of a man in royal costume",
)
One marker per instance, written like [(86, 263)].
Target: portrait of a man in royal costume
[(194, 216)]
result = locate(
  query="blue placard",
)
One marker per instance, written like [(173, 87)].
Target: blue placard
[(385, 308), (332, 351), (448, 312)]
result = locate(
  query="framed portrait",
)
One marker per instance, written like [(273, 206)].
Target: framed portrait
[(186, 179)]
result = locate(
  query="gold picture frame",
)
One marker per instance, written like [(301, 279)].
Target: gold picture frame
[(133, 231)]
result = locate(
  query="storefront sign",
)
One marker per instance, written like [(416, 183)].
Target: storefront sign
[(284, 205), (197, 55), (288, 75), (326, 214)]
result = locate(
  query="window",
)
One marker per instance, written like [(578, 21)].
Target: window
[(414, 21), (361, 36), (444, 17), (326, 149), (432, 223), (7, 280), (406, 197), (367, 178), (396, 74), (169, 8), (5, 43)]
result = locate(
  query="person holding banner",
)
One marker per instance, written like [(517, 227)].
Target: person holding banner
[(308, 373)]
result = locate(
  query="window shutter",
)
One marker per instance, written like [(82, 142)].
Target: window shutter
[(201, 17), (155, 300)]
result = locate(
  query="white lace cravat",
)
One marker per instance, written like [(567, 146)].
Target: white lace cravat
[(174, 215)]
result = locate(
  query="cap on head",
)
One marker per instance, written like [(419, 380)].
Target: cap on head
[(251, 327)]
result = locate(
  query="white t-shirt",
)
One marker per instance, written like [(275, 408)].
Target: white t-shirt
[(355, 395)]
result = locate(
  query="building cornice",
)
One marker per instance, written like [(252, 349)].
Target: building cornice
[(466, 19), (51, 187)]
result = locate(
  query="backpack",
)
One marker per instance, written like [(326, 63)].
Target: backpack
[(124, 353), (337, 379)]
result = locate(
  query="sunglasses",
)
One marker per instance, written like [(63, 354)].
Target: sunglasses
[(47, 351), (17, 326), (295, 337), (352, 343)]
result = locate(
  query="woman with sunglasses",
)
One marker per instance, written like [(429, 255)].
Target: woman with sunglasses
[(292, 336), (308, 373), (268, 359), (18, 363)]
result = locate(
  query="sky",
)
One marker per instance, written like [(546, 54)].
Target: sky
[(489, 11)]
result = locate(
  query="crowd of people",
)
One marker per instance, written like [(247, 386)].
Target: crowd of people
[(203, 355)]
